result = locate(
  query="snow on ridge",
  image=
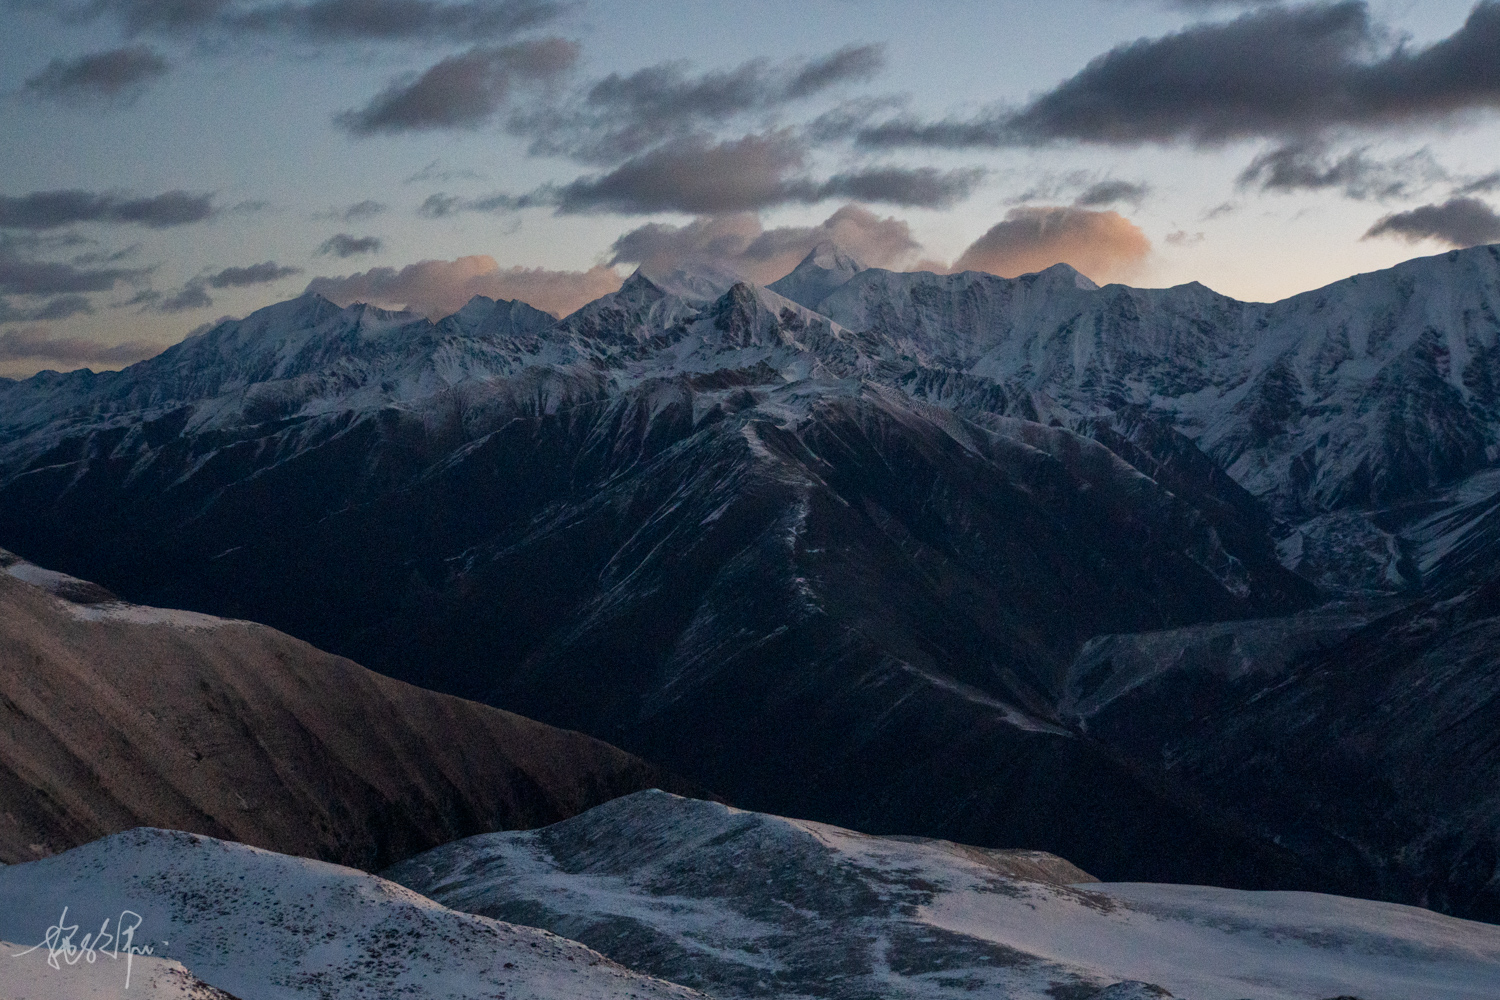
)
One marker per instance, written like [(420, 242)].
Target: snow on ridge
[(746, 904), (265, 926)]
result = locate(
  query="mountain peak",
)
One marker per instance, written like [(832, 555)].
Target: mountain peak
[(826, 267)]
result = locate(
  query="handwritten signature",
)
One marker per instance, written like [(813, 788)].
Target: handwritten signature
[(61, 948)]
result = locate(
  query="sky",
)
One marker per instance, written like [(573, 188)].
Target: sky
[(167, 163)]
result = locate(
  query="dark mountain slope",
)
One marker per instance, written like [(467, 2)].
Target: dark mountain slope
[(117, 715)]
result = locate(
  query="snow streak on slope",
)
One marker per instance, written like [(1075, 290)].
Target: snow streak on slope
[(749, 905), (265, 926)]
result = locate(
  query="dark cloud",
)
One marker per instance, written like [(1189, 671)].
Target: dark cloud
[(622, 116), (1103, 245), (343, 245), (462, 91), (699, 176), (693, 175), (441, 287), (58, 307), (191, 296), (1276, 71), (35, 344), (118, 76), (53, 209), (739, 243), (255, 274), (24, 276), (331, 21), (1112, 192), (1302, 166), (1458, 222), (920, 187)]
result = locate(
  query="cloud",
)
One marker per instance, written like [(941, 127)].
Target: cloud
[(255, 274), (343, 245), (23, 276), (740, 243), (699, 176), (1481, 185), (393, 20), (53, 209), (1459, 222), (621, 116), (441, 205), (435, 171), (1110, 192), (1103, 245), (328, 21), (34, 344), (462, 91), (367, 209), (58, 307), (190, 296), (1277, 71), (116, 76), (1303, 166), (441, 287)]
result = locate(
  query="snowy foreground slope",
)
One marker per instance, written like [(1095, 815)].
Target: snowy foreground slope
[(264, 926), (744, 904)]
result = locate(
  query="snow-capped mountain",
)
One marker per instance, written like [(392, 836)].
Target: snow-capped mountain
[(825, 268), (744, 905), (838, 559), (265, 926)]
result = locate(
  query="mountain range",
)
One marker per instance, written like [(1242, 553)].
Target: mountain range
[(1178, 587)]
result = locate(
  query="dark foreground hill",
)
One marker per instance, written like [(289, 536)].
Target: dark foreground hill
[(117, 715)]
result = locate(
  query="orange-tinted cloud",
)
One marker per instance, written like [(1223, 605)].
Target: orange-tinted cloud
[(441, 287), (1106, 246)]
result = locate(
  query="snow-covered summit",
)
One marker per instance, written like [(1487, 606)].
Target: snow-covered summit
[(826, 267)]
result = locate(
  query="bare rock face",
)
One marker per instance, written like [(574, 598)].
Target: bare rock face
[(117, 715)]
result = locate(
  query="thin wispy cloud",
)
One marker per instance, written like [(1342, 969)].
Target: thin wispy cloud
[(324, 21), (1308, 166)]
